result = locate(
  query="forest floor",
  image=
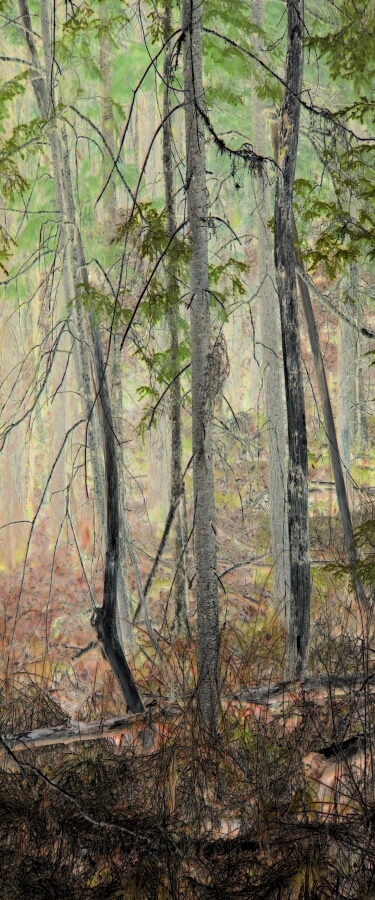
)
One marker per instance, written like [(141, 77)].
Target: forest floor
[(181, 815), (117, 820)]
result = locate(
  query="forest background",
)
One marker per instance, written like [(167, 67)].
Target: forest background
[(187, 337)]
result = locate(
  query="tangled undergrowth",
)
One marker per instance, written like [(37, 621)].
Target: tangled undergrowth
[(187, 815)]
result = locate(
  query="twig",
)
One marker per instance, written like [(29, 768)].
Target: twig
[(167, 528)]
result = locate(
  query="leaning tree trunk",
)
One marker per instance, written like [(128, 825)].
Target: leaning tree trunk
[(345, 350), (271, 364), (123, 601), (44, 94), (179, 586), (299, 620), (351, 419), (109, 207), (329, 423), (204, 504), (358, 425), (104, 619)]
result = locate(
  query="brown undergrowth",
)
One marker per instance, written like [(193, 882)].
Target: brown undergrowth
[(179, 813)]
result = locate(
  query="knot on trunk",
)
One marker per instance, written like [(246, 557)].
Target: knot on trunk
[(97, 622), (218, 368)]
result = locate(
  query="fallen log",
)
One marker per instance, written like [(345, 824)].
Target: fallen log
[(146, 724), (85, 731), (264, 693)]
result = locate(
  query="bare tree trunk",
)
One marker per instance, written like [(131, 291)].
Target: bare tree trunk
[(123, 604), (76, 263), (299, 620), (108, 202), (346, 342), (351, 388), (44, 93), (179, 587), (329, 423), (109, 218), (356, 379), (271, 365), (204, 504), (104, 619)]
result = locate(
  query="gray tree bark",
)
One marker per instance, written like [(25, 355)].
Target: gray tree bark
[(204, 505), (299, 619), (179, 587), (271, 364)]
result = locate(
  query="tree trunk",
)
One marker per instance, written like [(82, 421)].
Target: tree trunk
[(76, 257), (329, 423), (346, 342), (271, 364), (358, 415), (204, 505), (108, 202), (104, 619), (123, 604), (123, 618), (44, 93), (179, 587), (351, 418), (299, 620)]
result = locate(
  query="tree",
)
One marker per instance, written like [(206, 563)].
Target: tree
[(104, 619), (179, 589), (201, 367), (299, 619), (109, 215), (273, 387)]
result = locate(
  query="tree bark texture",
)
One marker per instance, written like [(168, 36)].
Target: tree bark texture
[(271, 364), (204, 532), (299, 620), (104, 619), (179, 587)]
